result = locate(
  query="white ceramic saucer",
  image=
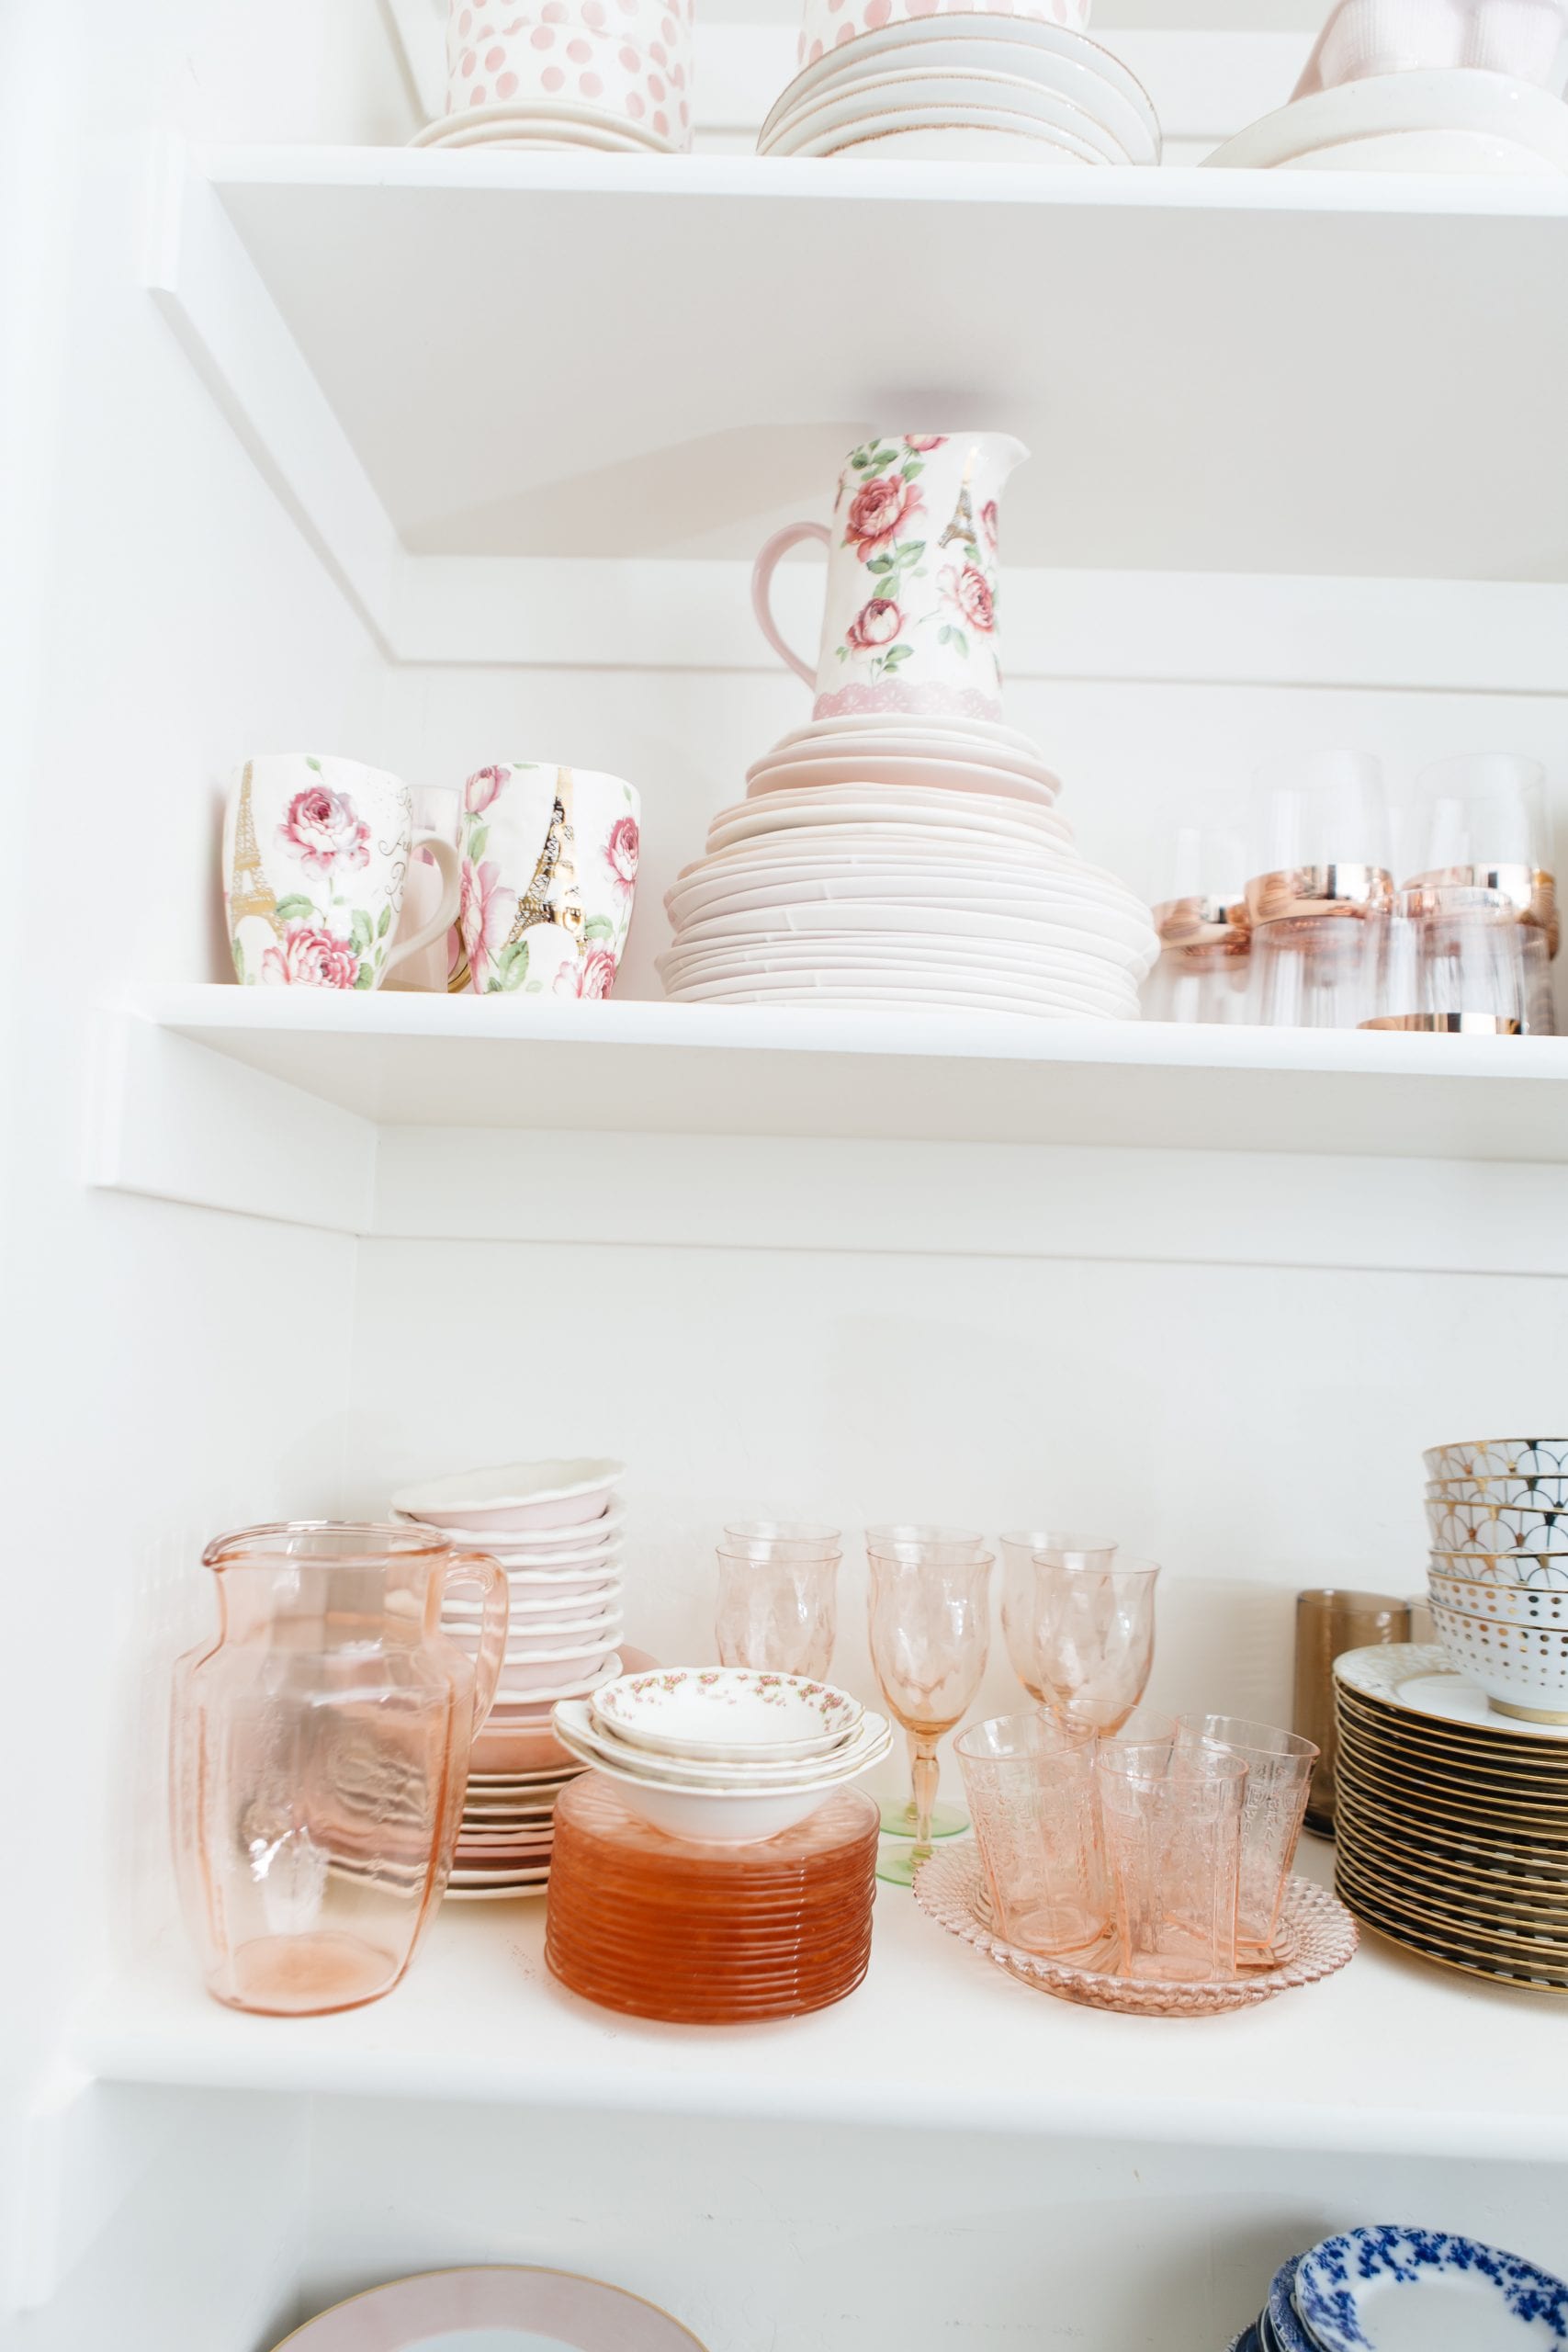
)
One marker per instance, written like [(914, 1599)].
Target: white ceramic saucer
[(936, 746), (997, 780), (1446, 98), (535, 114), (955, 39), (914, 94), (1474, 152), (888, 809), (918, 63)]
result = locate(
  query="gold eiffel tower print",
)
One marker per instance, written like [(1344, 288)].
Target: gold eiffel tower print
[(250, 892), (552, 896), (961, 527)]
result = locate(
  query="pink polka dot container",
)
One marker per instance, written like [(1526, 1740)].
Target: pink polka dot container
[(567, 73)]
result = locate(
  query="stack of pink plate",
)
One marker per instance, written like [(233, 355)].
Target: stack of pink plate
[(913, 862), (556, 1529)]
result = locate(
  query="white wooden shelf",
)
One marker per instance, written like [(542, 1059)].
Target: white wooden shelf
[(1216, 371), (1391, 2056), (395, 1060)]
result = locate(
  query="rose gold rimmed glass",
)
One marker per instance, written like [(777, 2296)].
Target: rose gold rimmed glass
[(929, 1625), (1171, 1824), (779, 1614), (1278, 1776), (1021, 1589), (1031, 1787), (1092, 1635)]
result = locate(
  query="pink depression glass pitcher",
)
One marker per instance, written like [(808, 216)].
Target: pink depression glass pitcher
[(320, 1758), (910, 620)]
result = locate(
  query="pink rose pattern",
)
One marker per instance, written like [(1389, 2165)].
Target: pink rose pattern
[(497, 963), (881, 508), (485, 912), (325, 832), (310, 958), (621, 852), (593, 975)]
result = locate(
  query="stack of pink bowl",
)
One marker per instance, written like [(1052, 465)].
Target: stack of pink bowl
[(610, 74), (556, 1529)]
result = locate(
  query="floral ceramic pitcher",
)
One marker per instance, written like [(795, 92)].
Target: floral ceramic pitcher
[(909, 628)]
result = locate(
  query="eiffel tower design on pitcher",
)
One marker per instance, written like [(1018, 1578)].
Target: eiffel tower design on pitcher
[(961, 527), (250, 892)]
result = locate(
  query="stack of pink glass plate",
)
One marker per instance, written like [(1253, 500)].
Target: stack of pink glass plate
[(662, 1926)]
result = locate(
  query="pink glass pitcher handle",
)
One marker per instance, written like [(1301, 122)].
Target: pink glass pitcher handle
[(779, 544), (478, 1568)]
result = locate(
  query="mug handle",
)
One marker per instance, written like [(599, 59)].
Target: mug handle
[(446, 915), (478, 1568), (779, 544)]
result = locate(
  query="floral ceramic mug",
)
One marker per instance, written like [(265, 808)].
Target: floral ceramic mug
[(316, 857), (548, 876), (910, 620)]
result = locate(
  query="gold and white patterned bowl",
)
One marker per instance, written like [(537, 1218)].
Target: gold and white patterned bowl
[(1513, 1604), (1522, 1669), (1506, 1527), (1543, 1570), (1498, 1457)]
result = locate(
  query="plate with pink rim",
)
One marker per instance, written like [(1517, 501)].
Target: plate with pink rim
[(985, 730), (750, 891), (997, 782), (890, 811), (494, 2307), (1123, 937), (988, 52), (836, 750), (842, 108), (1316, 1937), (839, 829)]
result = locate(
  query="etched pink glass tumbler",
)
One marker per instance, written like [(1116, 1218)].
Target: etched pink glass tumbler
[(320, 1758), (1279, 1779), (778, 1598), (1171, 1824), (929, 1625), (1030, 1786), (1092, 1635)]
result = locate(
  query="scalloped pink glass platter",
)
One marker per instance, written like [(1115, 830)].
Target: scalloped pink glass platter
[(1317, 1936), (502, 2307)]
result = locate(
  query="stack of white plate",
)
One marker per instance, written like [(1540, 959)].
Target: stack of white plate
[(724, 1754), (1449, 119), (556, 1530), (875, 863), (980, 86)]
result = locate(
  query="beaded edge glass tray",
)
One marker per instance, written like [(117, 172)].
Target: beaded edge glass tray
[(1317, 1935)]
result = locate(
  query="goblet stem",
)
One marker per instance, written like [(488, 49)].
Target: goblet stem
[(927, 1775)]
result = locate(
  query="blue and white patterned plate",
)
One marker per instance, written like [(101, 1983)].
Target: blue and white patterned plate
[(1421, 2290), (1279, 2329)]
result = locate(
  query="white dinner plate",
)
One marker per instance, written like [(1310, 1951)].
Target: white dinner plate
[(1476, 151), (566, 137), (1006, 96), (987, 731), (956, 40), (995, 779), (827, 1000), (1444, 98), (896, 980), (956, 143), (1080, 967), (1418, 1678), (1127, 938), (1132, 127)]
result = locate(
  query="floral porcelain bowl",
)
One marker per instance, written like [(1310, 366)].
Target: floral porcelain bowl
[(515, 1495), (728, 1713), (752, 1806), (865, 1745)]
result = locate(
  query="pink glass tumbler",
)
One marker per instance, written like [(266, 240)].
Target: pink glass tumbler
[(1030, 1786), (1171, 1822)]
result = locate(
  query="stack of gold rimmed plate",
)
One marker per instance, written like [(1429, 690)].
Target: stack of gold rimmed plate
[(1450, 1821)]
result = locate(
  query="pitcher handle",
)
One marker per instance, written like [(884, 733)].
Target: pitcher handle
[(478, 1568), (445, 858), (762, 580)]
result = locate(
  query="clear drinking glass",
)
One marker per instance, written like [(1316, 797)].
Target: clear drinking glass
[(778, 1614), (930, 1625), (1018, 1583), (1480, 821), (1330, 1621), (1203, 925), (1031, 1787), (1278, 1776), (1319, 886), (1093, 1635), (781, 1539), (1460, 959), (321, 1755), (1171, 1824)]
